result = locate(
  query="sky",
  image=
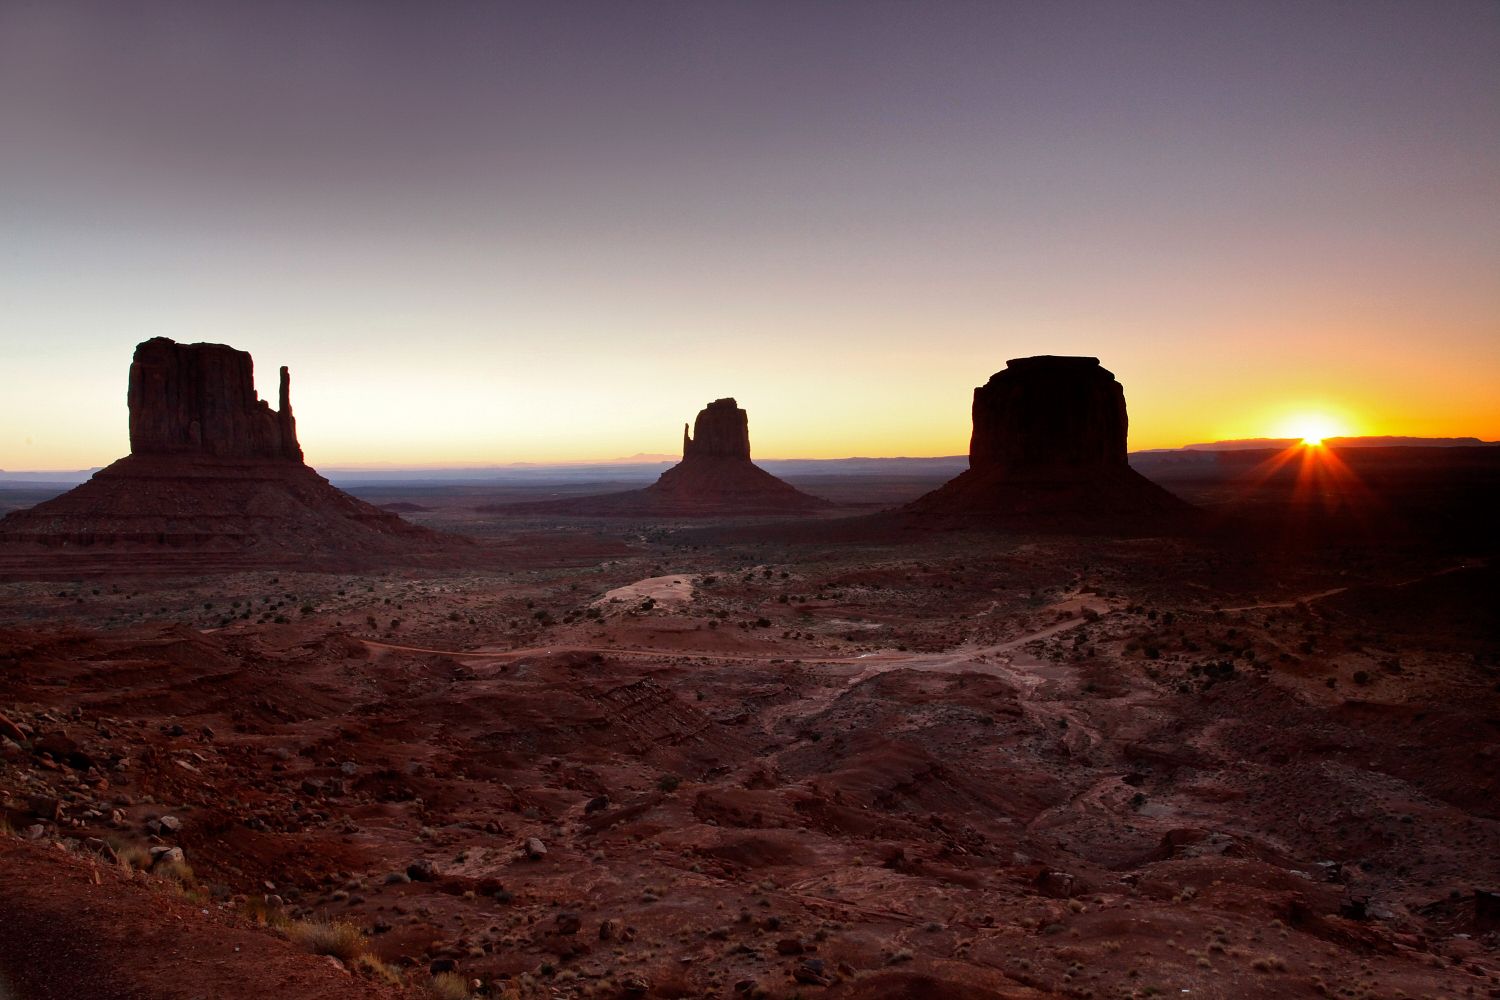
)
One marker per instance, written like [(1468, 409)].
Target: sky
[(500, 232)]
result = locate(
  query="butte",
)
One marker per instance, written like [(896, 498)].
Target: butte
[(1048, 451), (715, 478), (215, 481)]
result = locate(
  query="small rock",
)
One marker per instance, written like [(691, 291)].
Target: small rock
[(12, 732), (1353, 907), (789, 946), (161, 855), (568, 923), (421, 870), (171, 824), (1487, 908), (441, 965), (810, 973), (45, 807), (535, 849), (608, 930), (1058, 885), (596, 803)]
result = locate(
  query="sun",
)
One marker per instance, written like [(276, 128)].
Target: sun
[(1312, 428)]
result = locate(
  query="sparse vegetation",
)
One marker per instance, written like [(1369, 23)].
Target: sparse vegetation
[(342, 940), (449, 986)]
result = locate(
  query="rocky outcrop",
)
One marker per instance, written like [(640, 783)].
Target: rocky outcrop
[(215, 481), (1049, 416), (1048, 450), (722, 430), (199, 399), (714, 478)]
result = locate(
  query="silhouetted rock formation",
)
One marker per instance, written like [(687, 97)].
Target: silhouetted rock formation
[(1049, 417), (200, 399), (215, 480), (714, 478), (722, 430), (1049, 446)]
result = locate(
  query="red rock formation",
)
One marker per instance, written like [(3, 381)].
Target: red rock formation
[(1049, 446), (200, 399), (714, 478), (722, 430), (1047, 417), (215, 480)]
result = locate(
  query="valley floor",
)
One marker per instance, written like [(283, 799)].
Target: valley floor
[(962, 767)]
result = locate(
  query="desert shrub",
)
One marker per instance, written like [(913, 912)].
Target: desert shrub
[(343, 941), (373, 967), (449, 986), (133, 857), (258, 911)]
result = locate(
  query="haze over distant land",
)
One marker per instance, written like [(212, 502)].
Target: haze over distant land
[(645, 468), (542, 232)]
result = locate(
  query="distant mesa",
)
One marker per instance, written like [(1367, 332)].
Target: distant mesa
[(1048, 445), (215, 480), (715, 478)]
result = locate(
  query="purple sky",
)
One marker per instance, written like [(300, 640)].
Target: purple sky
[(494, 232)]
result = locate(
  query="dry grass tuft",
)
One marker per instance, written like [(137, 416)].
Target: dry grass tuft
[(343, 941), (449, 986), (373, 967), (133, 857), (257, 910)]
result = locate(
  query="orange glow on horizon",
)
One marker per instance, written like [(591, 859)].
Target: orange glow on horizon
[(1313, 428)]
